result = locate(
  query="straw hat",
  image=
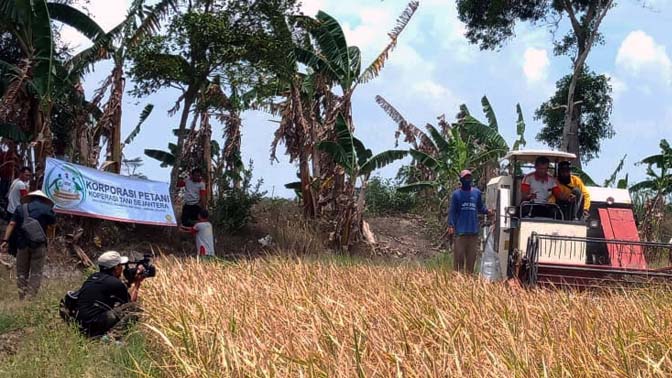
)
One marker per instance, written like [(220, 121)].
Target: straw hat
[(36, 194)]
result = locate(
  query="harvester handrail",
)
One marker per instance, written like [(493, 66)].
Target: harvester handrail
[(607, 241), (532, 204)]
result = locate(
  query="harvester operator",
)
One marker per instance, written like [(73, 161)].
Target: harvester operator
[(573, 196), (538, 189)]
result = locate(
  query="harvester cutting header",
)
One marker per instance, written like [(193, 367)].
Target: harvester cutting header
[(550, 232)]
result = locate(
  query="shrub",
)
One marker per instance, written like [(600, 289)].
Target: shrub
[(232, 208), (382, 197)]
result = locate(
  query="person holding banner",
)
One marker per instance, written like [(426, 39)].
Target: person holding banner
[(18, 190), (202, 232), (195, 196)]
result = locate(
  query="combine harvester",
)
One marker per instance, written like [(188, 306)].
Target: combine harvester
[(563, 250)]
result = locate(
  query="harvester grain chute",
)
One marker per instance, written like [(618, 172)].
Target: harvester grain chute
[(562, 248)]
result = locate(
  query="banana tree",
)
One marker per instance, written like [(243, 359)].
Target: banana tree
[(658, 185), (453, 154), (442, 153), (357, 163), (342, 64), (40, 83), (140, 21), (331, 62)]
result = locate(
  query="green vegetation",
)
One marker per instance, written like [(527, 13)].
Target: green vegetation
[(655, 193), (442, 152), (384, 197), (593, 91), (35, 342), (357, 162), (577, 126), (232, 208)]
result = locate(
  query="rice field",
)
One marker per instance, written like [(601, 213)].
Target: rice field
[(282, 317)]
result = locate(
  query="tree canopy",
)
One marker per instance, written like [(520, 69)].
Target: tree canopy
[(490, 23), (593, 92)]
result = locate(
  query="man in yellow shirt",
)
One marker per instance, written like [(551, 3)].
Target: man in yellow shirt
[(573, 195)]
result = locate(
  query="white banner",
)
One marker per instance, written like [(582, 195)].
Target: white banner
[(84, 191)]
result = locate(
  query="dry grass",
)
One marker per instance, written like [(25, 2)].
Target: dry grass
[(285, 318)]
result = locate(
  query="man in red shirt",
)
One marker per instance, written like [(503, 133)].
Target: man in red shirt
[(537, 188)]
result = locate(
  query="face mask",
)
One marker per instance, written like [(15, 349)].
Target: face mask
[(466, 183)]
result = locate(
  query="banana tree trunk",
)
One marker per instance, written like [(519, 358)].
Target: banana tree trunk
[(232, 147), (206, 132), (118, 83), (189, 98), (42, 127), (306, 186), (350, 213)]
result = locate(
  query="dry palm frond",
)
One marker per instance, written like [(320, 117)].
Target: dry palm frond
[(294, 127), (374, 69), (112, 110), (232, 135), (411, 132), (100, 92), (445, 127), (20, 77)]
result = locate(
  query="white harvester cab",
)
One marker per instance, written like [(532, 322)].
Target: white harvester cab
[(560, 247), (513, 227)]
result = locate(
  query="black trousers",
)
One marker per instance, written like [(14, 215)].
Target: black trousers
[(4, 188), (573, 209), (116, 319), (190, 214)]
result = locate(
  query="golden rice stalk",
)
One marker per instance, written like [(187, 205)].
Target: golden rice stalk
[(293, 317)]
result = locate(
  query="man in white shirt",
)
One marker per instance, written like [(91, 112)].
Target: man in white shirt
[(195, 196), (537, 188), (18, 190), (202, 232)]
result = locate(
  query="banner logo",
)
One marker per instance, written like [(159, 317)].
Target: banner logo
[(65, 186)]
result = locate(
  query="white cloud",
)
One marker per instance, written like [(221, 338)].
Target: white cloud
[(535, 64), (370, 35), (311, 7), (639, 53), (618, 86), (430, 88), (106, 13)]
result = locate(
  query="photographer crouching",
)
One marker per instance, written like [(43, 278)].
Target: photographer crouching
[(104, 304)]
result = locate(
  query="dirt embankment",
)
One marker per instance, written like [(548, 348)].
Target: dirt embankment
[(405, 236)]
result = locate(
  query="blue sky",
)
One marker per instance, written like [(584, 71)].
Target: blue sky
[(434, 70)]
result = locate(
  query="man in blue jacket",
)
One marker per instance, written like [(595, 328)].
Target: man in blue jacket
[(466, 203)]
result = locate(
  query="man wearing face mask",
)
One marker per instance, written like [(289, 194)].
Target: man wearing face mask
[(466, 204), (573, 194)]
